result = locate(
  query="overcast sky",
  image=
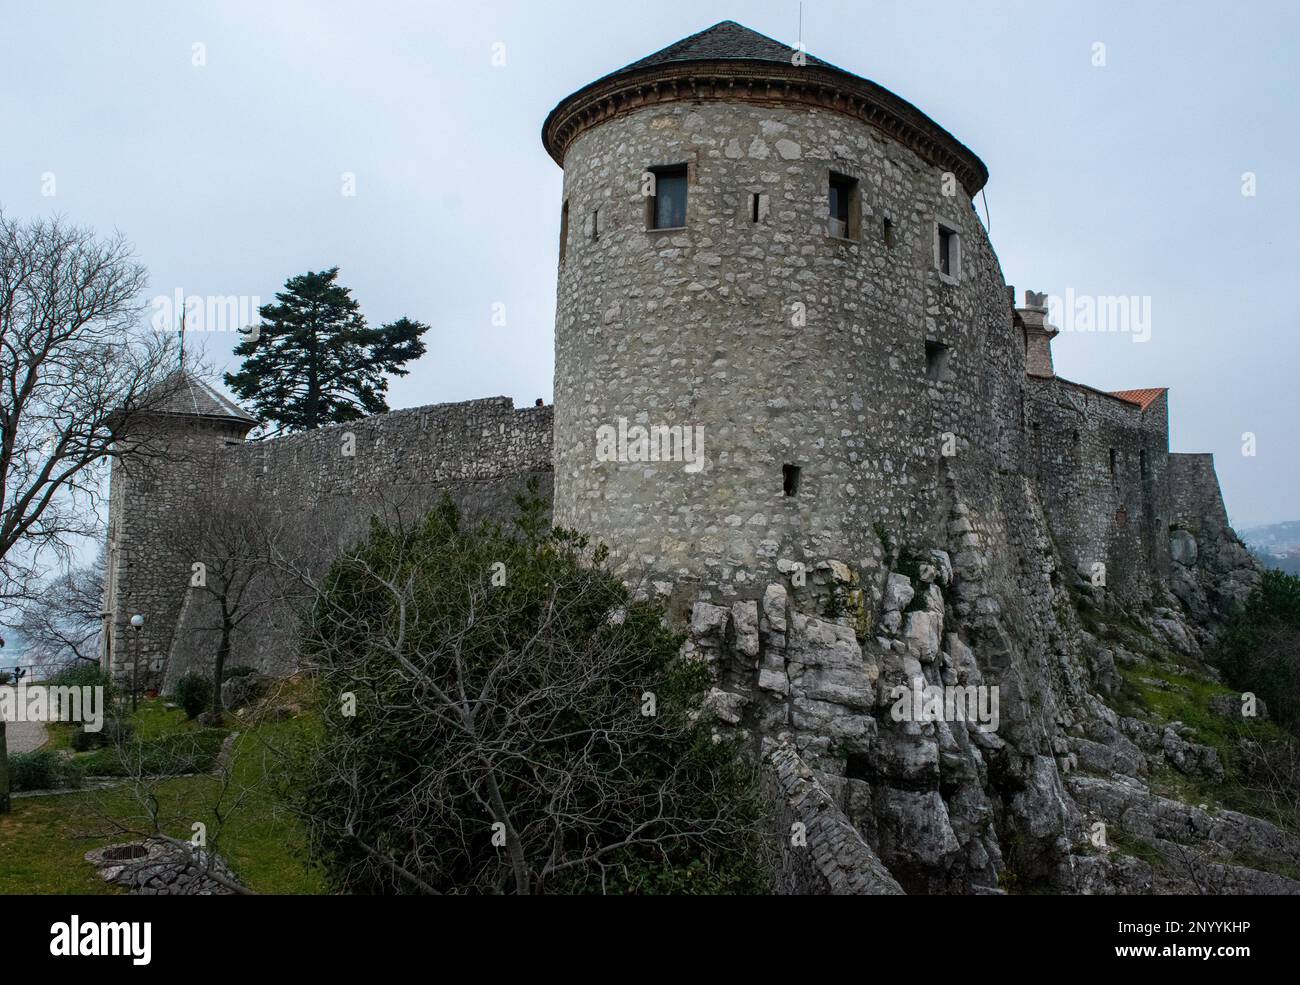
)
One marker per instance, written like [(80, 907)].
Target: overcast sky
[(1120, 179)]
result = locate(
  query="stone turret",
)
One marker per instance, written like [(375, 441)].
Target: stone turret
[(1032, 321), (165, 461)]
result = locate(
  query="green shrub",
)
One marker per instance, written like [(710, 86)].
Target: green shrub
[(82, 674), (171, 755), (118, 730), (560, 662), (193, 693), (43, 769), (1259, 649)]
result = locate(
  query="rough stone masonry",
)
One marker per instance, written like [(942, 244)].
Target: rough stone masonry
[(897, 490)]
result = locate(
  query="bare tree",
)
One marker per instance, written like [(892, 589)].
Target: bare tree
[(78, 369), (157, 804), (62, 618), (228, 545)]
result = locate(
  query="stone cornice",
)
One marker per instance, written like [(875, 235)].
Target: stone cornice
[(764, 83)]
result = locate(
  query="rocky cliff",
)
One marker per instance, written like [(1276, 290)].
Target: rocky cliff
[(986, 722)]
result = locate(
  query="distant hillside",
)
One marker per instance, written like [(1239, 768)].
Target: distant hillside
[(1277, 545)]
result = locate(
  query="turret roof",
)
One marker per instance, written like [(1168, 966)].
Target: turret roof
[(731, 61), (190, 395)]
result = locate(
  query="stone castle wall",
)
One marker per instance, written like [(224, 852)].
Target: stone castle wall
[(1194, 491), (1100, 464), (1212, 571), (328, 482)]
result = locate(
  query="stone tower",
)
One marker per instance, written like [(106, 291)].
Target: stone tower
[(155, 480), (780, 262), (1032, 320)]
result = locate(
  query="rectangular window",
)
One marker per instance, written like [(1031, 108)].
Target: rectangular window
[(946, 251), (888, 230), (595, 224), (1114, 460), (790, 477), (842, 200), (564, 229), (753, 207), (668, 204), (936, 360)]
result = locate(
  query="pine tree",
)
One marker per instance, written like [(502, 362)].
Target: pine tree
[(314, 361)]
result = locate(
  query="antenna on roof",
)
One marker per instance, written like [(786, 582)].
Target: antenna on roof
[(801, 23), (181, 367)]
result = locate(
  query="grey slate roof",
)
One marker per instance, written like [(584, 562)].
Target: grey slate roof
[(736, 51), (724, 41), (190, 395)]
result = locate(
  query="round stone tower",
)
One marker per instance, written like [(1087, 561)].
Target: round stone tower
[(780, 329)]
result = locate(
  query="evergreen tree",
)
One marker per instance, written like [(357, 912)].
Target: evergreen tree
[(314, 361)]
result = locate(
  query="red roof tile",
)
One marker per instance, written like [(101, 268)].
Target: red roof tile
[(1143, 398)]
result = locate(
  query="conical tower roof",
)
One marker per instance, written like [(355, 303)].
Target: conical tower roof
[(729, 61), (185, 393)]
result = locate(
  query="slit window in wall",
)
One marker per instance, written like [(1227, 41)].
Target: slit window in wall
[(1142, 463), (1114, 462), (759, 206), (753, 207), (667, 206), (564, 228), (842, 199), (936, 360), (790, 479), (595, 224), (887, 230), (947, 252)]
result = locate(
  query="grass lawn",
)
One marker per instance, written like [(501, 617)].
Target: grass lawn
[(43, 840)]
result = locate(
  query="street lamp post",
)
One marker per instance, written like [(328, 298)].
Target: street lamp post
[(137, 623)]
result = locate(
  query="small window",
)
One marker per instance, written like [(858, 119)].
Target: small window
[(842, 199), (595, 224), (790, 475), (1114, 461), (753, 207), (564, 228), (947, 249), (936, 360), (1142, 462), (667, 206), (887, 228)]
